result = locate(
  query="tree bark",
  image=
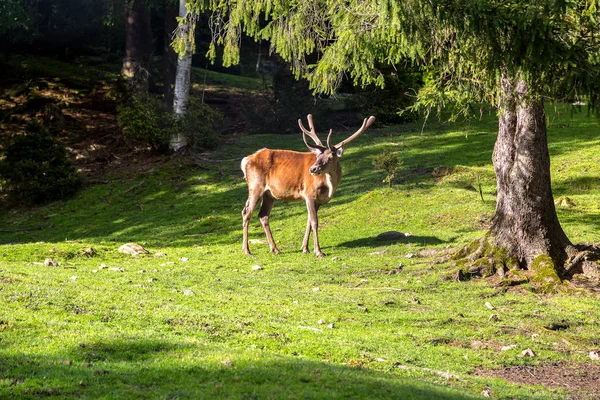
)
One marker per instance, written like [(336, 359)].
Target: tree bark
[(170, 56), (182, 80), (525, 223), (138, 47)]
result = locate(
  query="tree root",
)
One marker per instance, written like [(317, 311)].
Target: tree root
[(586, 261), (483, 258)]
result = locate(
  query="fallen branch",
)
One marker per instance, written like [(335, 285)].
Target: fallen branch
[(310, 328), (32, 228), (443, 374), (134, 186), (377, 288)]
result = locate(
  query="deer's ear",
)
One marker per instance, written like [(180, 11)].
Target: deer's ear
[(339, 151), (316, 151)]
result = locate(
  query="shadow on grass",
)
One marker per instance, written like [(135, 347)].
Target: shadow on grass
[(156, 369), (171, 207), (373, 241)]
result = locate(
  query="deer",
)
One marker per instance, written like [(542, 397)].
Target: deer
[(294, 176)]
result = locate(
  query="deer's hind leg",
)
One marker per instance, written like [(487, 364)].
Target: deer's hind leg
[(263, 215), (253, 197)]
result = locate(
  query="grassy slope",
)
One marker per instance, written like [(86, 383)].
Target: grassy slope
[(211, 326)]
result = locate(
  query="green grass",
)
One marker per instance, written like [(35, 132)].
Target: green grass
[(226, 81), (210, 326)]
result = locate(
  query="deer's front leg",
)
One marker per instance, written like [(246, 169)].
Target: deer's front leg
[(313, 207), (306, 236)]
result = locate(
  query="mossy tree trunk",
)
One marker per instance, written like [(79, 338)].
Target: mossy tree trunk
[(525, 223)]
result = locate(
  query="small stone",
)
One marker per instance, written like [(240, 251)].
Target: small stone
[(256, 267), (116, 269), (535, 337), (88, 252), (132, 249), (152, 280), (564, 201), (335, 259), (102, 266), (66, 362), (94, 271), (409, 255), (489, 305), (509, 347), (188, 292), (391, 235), (595, 355), (257, 241), (478, 345), (184, 259), (494, 317), (73, 278), (486, 392), (141, 271), (321, 322), (227, 363), (377, 252), (331, 326), (440, 171), (48, 262), (380, 359), (316, 289), (527, 353)]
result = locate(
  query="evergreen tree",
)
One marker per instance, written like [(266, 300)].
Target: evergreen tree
[(509, 53)]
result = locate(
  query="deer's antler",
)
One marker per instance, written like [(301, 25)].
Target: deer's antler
[(312, 132), (365, 125)]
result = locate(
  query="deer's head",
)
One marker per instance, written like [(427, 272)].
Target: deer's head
[(327, 156)]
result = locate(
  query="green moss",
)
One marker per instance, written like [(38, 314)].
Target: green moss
[(545, 276), (466, 250), (489, 257)]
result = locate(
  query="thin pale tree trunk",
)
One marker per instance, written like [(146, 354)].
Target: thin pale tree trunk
[(181, 93), (525, 223), (170, 56)]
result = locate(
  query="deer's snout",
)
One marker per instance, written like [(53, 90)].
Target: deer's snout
[(314, 169)]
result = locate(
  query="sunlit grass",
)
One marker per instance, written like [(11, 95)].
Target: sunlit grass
[(193, 320)]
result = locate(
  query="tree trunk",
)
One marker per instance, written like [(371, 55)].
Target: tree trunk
[(117, 16), (525, 223), (138, 47), (170, 56), (182, 80)]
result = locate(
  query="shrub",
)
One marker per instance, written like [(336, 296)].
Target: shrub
[(199, 125), (147, 118), (36, 168), (389, 163)]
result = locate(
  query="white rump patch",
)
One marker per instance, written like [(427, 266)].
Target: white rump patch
[(243, 165)]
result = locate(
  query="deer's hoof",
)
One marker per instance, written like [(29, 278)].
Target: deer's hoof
[(320, 254), (305, 251), (275, 251)]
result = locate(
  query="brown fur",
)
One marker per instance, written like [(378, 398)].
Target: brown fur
[(292, 176)]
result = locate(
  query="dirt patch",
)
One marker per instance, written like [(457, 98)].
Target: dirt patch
[(580, 381)]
